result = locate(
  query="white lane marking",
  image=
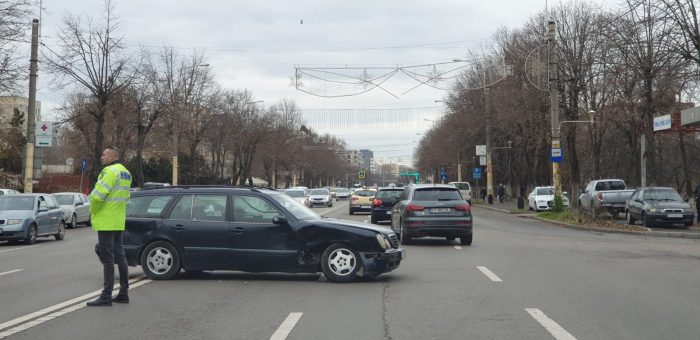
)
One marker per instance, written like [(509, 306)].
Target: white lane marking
[(27, 247), (286, 326), (550, 325), (11, 271), (41, 313), (458, 247), (489, 274)]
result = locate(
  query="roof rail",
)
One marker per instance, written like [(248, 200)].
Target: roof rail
[(194, 186)]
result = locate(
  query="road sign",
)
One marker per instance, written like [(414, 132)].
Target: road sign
[(443, 177), (361, 174), (662, 123), (44, 134), (482, 160), (557, 155), (476, 173), (481, 150)]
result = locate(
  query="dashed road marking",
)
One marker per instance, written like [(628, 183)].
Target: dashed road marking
[(458, 247), (11, 271), (286, 326), (27, 247), (49, 313), (489, 274), (550, 325)]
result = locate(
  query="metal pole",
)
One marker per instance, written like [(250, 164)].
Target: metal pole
[(489, 164), (31, 110), (643, 172), (459, 166), (554, 101), (176, 147)]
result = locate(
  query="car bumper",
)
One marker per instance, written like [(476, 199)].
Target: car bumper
[(318, 202), (377, 263), (665, 218), (438, 227), (379, 214), (361, 207), (13, 232), (132, 254)]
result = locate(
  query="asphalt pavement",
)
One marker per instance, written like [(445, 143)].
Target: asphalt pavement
[(521, 279)]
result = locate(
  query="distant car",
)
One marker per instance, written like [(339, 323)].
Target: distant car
[(24, 217), (342, 193), (249, 229), (604, 196), (542, 198), (320, 197), (298, 195), (382, 203), (361, 200), (465, 189), (76, 208), (432, 210), (8, 192), (657, 205)]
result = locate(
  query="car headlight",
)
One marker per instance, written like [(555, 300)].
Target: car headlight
[(15, 221), (651, 210), (382, 241)]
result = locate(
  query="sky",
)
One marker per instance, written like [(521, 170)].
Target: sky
[(256, 45)]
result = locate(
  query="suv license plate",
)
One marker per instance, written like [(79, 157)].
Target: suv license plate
[(365, 207), (439, 210), (675, 215)]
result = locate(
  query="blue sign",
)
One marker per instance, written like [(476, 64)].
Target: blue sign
[(443, 177), (476, 173), (557, 155), (84, 165), (442, 172)]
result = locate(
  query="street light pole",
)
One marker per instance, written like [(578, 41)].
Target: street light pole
[(554, 102), (489, 164), (31, 110)]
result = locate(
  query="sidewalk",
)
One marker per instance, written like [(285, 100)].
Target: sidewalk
[(510, 207)]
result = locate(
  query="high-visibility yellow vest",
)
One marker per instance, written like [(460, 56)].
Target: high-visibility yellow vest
[(109, 198)]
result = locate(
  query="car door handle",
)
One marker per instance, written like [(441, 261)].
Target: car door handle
[(178, 227), (238, 230)]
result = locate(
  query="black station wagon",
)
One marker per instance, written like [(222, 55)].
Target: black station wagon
[(253, 230)]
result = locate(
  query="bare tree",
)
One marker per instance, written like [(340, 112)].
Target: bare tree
[(14, 24)]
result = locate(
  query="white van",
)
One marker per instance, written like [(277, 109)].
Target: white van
[(465, 189)]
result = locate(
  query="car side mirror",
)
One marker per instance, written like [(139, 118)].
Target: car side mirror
[(43, 209), (279, 220), (77, 204)]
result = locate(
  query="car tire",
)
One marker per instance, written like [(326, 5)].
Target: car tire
[(89, 221), (645, 221), (73, 222), (160, 261), (629, 218), (31, 235), (451, 238), (340, 263), (466, 240), (350, 211), (403, 236), (373, 220), (330, 205), (61, 234)]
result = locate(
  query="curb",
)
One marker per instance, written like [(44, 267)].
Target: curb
[(648, 232), (502, 210)]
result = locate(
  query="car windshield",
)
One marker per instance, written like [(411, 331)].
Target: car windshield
[(461, 186), (297, 209), (64, 199), (436, 194), (342, 191), (10, 202), (319, 192), (389, 195), (545, 191), (295, 193), (364, 193), (610, 185), (662, 195)]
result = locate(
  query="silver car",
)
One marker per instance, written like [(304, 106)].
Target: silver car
[(25, 217), (76, 208), (298, 195), (320, 197)]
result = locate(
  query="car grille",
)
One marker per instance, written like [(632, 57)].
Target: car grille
[(673, 210), (394, 241)]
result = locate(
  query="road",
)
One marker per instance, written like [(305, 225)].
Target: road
[(521, 279)]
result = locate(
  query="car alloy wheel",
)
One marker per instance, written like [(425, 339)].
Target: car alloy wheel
[(61, 231), (31, 235), (160, 261), (629, 218), (645, 220), (74, 222), (340, 263)]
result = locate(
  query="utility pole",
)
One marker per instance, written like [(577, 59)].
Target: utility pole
[(459, 165), (554, 102), (31, 109), (489, 165)]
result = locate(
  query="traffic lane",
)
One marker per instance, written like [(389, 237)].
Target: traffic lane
[(598, 285), (52, 272)]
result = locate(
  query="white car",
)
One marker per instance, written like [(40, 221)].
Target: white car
[(298, 195), (465, 189), (320, 197), (542, 198), (75, 206), (8, 192)]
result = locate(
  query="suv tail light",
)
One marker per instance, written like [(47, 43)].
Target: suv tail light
[(464, 207), (413, 207), (377, 202), (600, 197)]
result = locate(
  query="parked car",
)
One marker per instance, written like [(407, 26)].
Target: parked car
[(432, 210), (657, 205), (604, 195), (76, 208), (320, 197), (383, 202), (298, 195), (8, 192), (542, 198), (361, 200), (24, 217), (342, 193), (465, 189), (252, 230)]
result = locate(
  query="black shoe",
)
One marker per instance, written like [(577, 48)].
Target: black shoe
[(121, 299), (99, 302)]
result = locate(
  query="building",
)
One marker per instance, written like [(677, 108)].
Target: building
[(367, 160), (8, 104)]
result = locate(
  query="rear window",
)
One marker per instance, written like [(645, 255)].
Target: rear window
[(147, 206), (389, 195), (436, 194), (319, 192), (610, 185), (364, 193)]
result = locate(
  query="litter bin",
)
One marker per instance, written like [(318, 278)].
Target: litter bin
[(521, 202)]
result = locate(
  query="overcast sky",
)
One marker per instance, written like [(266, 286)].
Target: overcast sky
[(255, 45)]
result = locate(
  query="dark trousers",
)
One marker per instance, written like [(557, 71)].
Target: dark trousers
[(111, 253)]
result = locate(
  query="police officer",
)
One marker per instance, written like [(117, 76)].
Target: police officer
[(108, 214)]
